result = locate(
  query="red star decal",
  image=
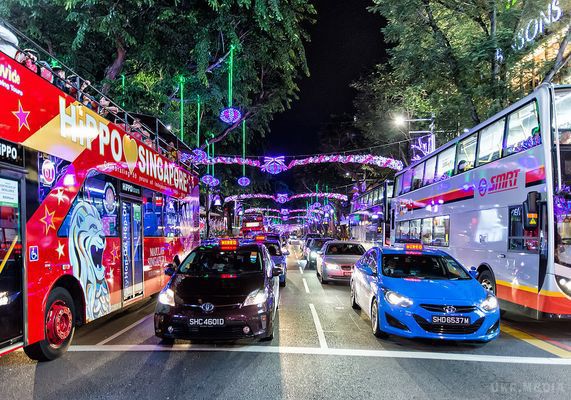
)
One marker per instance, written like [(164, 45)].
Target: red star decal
[(48, 220), (115, 253), (22, 117)]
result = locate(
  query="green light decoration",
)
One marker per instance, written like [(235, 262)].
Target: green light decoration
[(230, 75), (317, 192), (197, 121), (122, 90), (181, 81), (244, 147)]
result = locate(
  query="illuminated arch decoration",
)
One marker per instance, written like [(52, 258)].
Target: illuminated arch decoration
[(244, 181), (277, 165), (261, 210), (274, 165), (249, 196), (282, 198)]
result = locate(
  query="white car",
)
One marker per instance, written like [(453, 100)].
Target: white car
[(336, 260)]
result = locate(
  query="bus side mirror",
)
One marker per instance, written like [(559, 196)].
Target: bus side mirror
[(530, 211)]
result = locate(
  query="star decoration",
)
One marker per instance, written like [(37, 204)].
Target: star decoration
[(22, 117), (60, 196), (115, 253), (48, 220), (59, 250)]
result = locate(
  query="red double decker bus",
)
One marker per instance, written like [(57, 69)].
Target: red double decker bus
[(90, 214)]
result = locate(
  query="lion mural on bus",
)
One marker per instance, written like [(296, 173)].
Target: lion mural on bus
[(86, 246)]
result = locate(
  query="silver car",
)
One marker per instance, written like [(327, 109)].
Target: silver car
[(336, 260)]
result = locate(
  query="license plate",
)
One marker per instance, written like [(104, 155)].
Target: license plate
[(450, 320), (206, 322), (347, 273)]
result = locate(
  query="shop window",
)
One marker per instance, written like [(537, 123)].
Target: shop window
[(523, 129), (491, 142), (466, 156)]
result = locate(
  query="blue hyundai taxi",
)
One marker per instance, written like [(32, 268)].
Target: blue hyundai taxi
[(418, 293)]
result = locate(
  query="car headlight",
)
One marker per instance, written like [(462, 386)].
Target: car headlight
[(313, 254), (166, 297), (331, 266), (255, 298), (490, 303), (397, 300)]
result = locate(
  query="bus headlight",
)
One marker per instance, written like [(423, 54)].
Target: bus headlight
[(397, 300), (166, 297), (490, 303)]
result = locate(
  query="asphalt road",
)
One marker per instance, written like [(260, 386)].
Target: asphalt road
[(322, 350)]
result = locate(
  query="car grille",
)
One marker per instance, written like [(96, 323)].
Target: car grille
[(448, 329), (440, 308), (346, 267), (217, 307)]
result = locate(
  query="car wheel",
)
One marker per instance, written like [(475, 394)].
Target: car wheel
[(487, 281), (321, 280), (282, 284), (59, 327), (354, 304), (375, 321)]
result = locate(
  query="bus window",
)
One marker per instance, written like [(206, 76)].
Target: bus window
[(491, 142), (171, 217), (563, 110), (406, 181), (152, 213), (398, 184), (466, 153), (429, 171), (445, 165), (523, 129), (417, 175), (403, 230), (414, 231), (441, 231), (426, 234)]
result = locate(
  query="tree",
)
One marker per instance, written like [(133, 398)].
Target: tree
[(455, 58)]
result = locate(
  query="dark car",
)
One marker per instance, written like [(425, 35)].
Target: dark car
[(223, 292), (311, 249)]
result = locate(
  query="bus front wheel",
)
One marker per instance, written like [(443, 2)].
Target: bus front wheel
[(59, 326), (487, 281)]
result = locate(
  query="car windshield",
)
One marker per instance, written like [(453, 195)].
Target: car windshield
[(318, 243), (214, 262), (344, 249), (274, 249), (422, 267)]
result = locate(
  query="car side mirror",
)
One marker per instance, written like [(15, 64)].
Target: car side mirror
[(474, 272), (170, 270), (276, 271)]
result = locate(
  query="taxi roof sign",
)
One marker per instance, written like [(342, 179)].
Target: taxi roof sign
[(260, 238), (413, 246), (228, 244)]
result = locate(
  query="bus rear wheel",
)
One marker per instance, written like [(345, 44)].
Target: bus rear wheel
[(59, 326)]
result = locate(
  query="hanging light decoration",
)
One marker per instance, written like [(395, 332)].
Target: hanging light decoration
[(199, 156), (207, 179), (230, 115), (244, 180), (274, 165)]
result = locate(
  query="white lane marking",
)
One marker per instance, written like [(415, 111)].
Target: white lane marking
[(122, 331), (318, 328), (305, 285), (418, 355)]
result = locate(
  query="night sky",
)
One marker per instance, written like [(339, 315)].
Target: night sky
[(346, 42)]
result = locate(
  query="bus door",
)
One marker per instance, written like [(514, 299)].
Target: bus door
[(131, 249), (11, 261)]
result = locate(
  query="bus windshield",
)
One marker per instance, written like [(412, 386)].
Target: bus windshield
[(563, 200), (422, 267)]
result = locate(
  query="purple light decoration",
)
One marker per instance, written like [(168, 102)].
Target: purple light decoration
[(207, 180), (282, 198), (215, 182), (274, 165), (199, 156), (230, 115), (284, 211), (244, 181)]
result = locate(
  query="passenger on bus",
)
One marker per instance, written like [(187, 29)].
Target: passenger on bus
[(105, 107), (59, 79), (462, 166)]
